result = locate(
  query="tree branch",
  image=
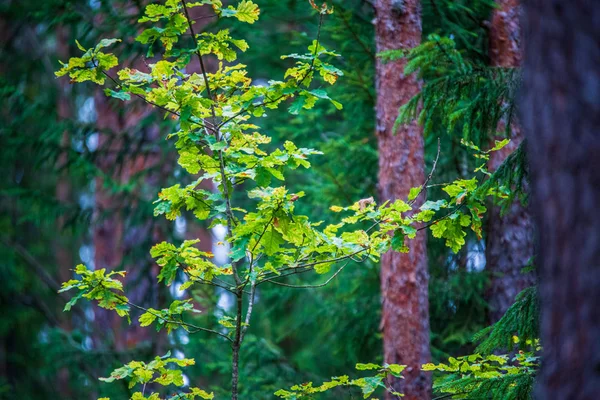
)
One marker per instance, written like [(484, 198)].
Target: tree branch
[(249, 311), (424, 185), (311, 286), (180, 323)]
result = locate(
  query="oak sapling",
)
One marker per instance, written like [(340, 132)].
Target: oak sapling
[(218, 139)]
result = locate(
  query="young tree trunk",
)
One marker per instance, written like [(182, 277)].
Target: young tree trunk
[(509, 244), (404, 277), (561, 115)]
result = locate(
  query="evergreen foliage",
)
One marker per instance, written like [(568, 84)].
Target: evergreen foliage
[(520, 320), (509, 180), (492, 377), (368, 385), (458, 92), (486, 375), (470, 100)]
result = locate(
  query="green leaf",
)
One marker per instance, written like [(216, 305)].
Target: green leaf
[(147, 318), (397, 242), (271, 241), (499, 144), (297, 105), (106, 42), (369, 366), (246, 11), (413, 193), (117, 95), (80, 47)]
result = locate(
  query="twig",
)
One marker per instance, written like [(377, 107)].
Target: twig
[(424, 185), (435, 221), (202, 68), (119, 86), (249, 311), (362, 44), (311, 286), (228, 211), (180, 323), (308, 72), (307, 267)]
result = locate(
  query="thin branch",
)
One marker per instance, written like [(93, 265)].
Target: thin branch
[(295, 270), (119, 86), (445, 396), (307, 267), (308, 72), (424, 185), (210, 283), (267, 225), (228, 211), (249, 311), (180, 323), (37, 266), (435, 221), (202, 67), (333, 259), (311, 286), (362, 44), (205, 17)]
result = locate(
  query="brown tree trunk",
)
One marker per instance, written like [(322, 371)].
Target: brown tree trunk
[(115, 235), (64, 256), (561, 115), (109, 227), (404, 277), (63, 252), (509, 244)]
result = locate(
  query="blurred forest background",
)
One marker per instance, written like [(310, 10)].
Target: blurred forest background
[(80, 171)]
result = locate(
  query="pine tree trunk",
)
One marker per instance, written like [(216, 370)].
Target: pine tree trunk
[(64, 256), (115, 233), (509, 244), (63, 250), (108, 231), (561, 115), (404, 277)]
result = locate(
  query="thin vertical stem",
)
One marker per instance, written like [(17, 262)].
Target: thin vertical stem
[(216, 132), (235, 362)]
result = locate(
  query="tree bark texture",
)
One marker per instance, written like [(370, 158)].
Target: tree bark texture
[(561, 115), (404, 277), (108, 230), (509, 241), (64, 193), (116, 233)]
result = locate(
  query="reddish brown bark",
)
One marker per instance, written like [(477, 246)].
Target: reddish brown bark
[(509, 244), (114, 234), (108, 223), (404, 277), (63, 252), (505, 34), (561, 115), (64, 256)]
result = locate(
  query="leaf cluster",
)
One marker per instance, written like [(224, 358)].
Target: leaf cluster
[(367, 385), (159, 371), (488, 377)]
